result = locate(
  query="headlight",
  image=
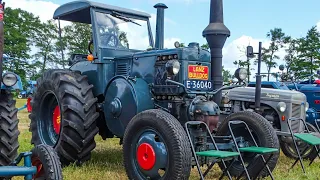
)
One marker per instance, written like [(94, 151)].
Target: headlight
[(241, 74), (282, 106), (307, 106), (9, 79), (173, 67)]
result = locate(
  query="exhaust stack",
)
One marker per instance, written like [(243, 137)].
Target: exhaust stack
[(160, 25), (216, 34)]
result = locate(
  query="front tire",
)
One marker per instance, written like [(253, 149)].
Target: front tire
[(289, 150), (8, 129), (64, 115), (47, 162), (156, 146), (264, 135)]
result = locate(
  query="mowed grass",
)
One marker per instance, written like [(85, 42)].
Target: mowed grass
[(106, 162)]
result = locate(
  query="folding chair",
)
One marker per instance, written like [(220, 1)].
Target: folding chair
[(260, 151), (216, 154), (308, 138)]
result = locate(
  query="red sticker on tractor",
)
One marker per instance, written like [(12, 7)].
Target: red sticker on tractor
[(198, 72)]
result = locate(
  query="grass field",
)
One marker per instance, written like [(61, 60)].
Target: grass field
[(106, 162)]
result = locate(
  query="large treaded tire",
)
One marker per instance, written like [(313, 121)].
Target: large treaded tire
[(8, 129), (289, 150), (265, 137), (77, 110), (46, 158), (174, 136)]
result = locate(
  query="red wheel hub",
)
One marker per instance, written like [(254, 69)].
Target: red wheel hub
[(56, 119), (37, 163), (29, 107), (146, 156)]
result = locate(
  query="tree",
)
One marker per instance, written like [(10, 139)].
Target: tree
[(291, 57), (309, 52), (226, 75), (205, 46), (278, 40), (45, 42), (77, 36), (19, 32)]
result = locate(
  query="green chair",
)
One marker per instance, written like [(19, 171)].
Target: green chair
[(260, 151), (306, 137), (216, 154)]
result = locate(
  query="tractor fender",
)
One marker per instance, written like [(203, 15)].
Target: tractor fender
[(124, 98)]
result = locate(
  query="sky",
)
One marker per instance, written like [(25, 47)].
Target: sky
[(248, 20)]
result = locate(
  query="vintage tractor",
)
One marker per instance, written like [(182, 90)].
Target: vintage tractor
[(144, 96), (42, 162), (31, 85), (278, 104)]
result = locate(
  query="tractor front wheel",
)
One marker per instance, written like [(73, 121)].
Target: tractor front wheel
[(155, 146), (289, 150), (47, 162), (64, 115)]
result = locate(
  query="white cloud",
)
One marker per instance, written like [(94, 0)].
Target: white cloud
[(235, 50), (43, 9), (318, 26)]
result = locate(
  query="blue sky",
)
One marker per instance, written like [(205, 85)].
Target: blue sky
[(248, 20), (249, 17)]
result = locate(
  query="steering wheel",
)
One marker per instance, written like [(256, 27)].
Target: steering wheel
[(107, 38)]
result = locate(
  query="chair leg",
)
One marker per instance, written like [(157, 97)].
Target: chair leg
[(315, 156), (209, 168), (265, 165), (244, 169), (299, 158), (226, 169)]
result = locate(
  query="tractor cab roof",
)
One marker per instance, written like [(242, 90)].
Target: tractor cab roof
[(79, 11)]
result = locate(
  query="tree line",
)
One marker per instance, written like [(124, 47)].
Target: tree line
[(302, 55), (25, 33)]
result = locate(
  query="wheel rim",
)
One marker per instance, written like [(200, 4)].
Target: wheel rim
[(38, 164), (49, 122), (56, 119), (150, 155)]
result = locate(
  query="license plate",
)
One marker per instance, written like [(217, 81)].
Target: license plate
[(198, 72), (199, 85)]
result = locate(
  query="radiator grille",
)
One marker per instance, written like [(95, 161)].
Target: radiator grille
[(122, 69), (297, 126)]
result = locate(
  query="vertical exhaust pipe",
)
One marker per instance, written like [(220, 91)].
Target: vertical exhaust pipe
[(160, 25), (216, 34), (1, 37)]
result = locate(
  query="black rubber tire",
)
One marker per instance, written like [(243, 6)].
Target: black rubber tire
[(50, 163), (8, 129), (289, 149), (266, 137), (78, 114), (179, 149)]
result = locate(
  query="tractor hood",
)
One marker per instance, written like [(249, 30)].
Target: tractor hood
[(248, 94), (190, 53)]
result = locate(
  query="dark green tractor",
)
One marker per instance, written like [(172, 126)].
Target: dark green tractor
[(136, 90)]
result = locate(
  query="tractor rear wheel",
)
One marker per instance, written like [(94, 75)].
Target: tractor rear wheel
[(8, 129), (264, 135), (289, 150), (156, 146), (64, 115)]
